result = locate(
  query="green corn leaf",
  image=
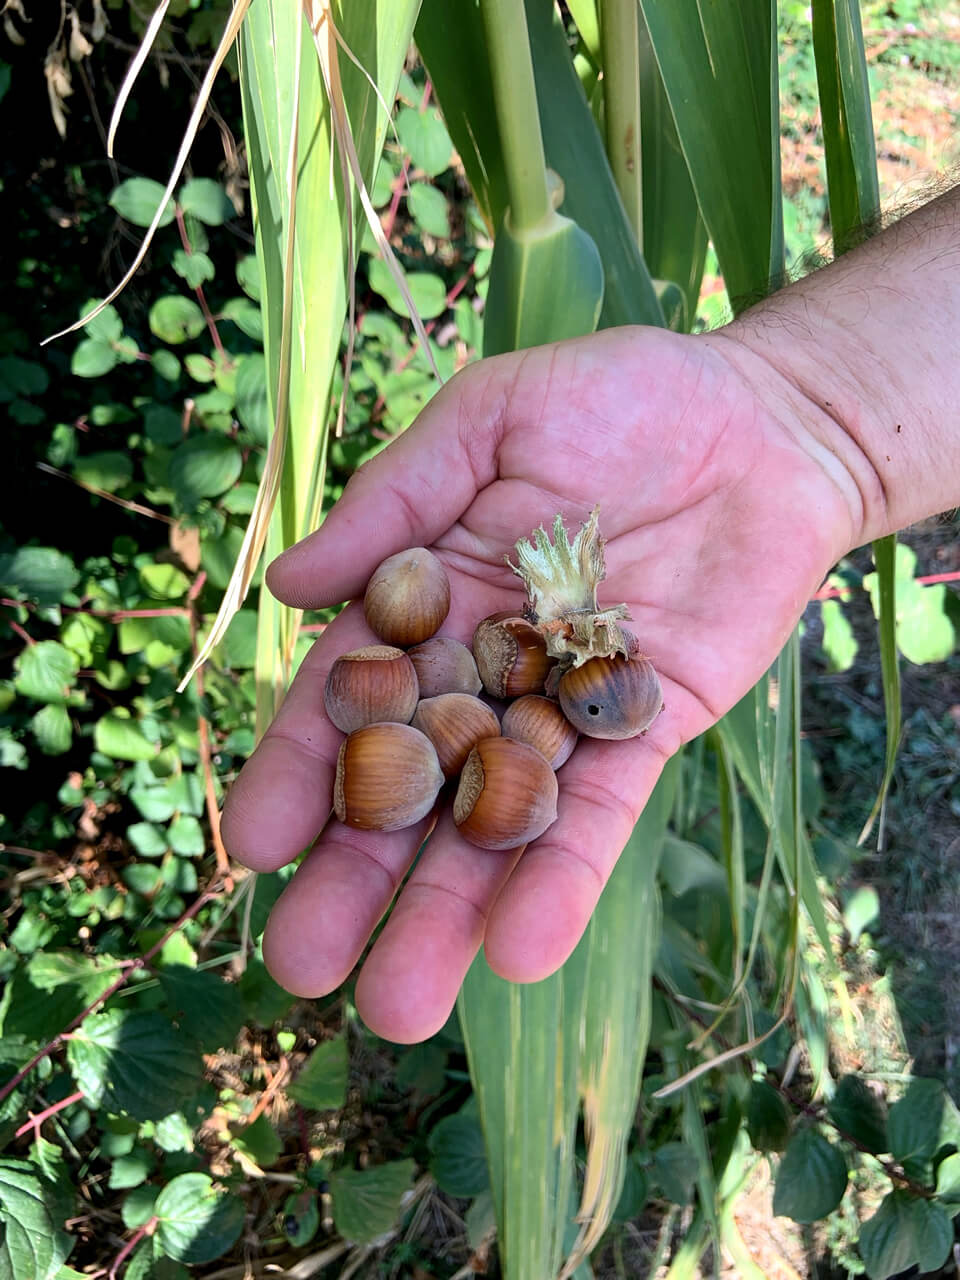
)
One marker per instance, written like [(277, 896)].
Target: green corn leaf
[(884, 557), (674, 236), (719, 69), (848, 135), (622, 941), (304, 242)]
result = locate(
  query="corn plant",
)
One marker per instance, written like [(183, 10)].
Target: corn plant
[(604, 147)]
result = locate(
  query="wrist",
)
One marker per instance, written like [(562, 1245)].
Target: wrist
[(857, 362)]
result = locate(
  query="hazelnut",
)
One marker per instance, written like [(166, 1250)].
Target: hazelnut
[(444, 665), (455, 723), (369, 685), (611, 697), (408, 597), (539, 722), (507, 795), (511, 656), (388, 777)]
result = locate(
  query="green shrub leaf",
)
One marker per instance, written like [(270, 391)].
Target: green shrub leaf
[(135, 1062), (923, 1121), (322, 1082), (675, 1169), (32, 1244), (138, 199), (137, 1207), (203, 1005), (93, 358), (424, 136), (185, 836), (176, 319), (366, 1203), (856, 1110), (458, 1158), (204, 466), (121, 738), (252, 406), (259, 1142), (148, 839), (195, 268), (42, 574), (428, 291), (206, 200), (428, 208), (905, 1232), (768, 1120), (246, 316), (52, 729), (22, 378), (164, 581), (948, 1180), (839, 642), (197, 1222), (248, 277), (812, 1178), (109, 470), (46, 671)]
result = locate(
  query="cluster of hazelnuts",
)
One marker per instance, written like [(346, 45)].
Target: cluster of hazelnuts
[(413, 707)]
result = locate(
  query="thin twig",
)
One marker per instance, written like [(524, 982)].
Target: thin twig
[(128, 1248), (127, 505), (35, 1122), (198, 288)]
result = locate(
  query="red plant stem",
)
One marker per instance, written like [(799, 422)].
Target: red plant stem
[(128, 967), (399, 185), (35, 1122), (425, 100), (25, 636), (128, 1248), (927, 580), (198, 289)]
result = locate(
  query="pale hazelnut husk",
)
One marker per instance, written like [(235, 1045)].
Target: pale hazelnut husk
[(388, 777), (511, 656), (611, 698), (507, 795), (369, 685), (444, 665), (540, 723), (407, 597), (455, 723)]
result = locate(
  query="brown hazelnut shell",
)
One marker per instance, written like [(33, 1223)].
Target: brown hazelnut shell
[(455, 723), (511, 656), (611, 698), (539, 722), (370, 685), (444, 665), (407, 597), (507, 795), (388, 777)]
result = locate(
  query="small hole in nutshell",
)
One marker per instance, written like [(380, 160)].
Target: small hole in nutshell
[(593, 709)]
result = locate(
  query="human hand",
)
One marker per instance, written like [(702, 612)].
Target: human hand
[(721, 516)]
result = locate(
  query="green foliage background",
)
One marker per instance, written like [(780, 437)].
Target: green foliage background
[(171, 1102)]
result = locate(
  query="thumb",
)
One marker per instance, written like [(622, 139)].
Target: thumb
[(406, 496)]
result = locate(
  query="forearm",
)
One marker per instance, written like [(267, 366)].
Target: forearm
[(864, 355)]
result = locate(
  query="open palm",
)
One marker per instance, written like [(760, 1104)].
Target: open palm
[(719, 522)]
